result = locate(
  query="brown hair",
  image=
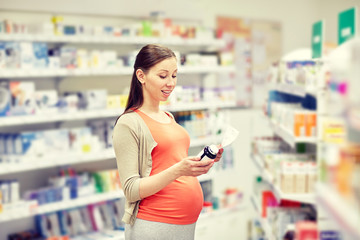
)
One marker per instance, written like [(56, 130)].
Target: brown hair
[(148, 56)]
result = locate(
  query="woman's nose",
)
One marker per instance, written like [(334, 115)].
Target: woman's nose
[(171, 81)]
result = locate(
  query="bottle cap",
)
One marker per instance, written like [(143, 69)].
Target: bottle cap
[(213, 149)]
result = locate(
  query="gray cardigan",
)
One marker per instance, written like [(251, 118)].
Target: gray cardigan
[(133, 144)]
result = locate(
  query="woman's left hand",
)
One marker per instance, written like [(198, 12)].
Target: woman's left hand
[(218, 156)]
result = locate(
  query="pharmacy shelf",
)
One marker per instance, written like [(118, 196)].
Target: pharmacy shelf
[(38, 163), (343, 213), (264, 223), (58, 117), (308, 198), (288, 136), (260, 164), (113, 40), (52, 117), (57, 206), (266, 176), (62, 72)]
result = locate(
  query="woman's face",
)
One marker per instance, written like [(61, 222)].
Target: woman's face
[(160, 80)]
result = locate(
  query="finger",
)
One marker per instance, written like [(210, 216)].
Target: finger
[(193, 158), (204, 163)]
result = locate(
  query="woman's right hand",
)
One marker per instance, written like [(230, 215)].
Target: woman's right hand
[(192, 166)]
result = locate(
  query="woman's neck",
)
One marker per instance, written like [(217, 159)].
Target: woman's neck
[(150, 108)]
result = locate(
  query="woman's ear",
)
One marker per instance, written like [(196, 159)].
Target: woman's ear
[(140, 76)]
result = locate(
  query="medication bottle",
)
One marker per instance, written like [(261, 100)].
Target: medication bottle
[(209, 152)]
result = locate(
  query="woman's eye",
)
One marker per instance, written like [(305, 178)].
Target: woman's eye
[(163, 77), (174, 76)]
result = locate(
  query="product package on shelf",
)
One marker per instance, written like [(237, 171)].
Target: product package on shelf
[(278, 216), (101, 219)]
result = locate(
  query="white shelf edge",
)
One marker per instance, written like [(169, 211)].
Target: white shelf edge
[(288, 137), (297, 197), (344, 215), (111, 40), (48, 162), (293, 89), (260, 163), (58, 117), (56, 206)]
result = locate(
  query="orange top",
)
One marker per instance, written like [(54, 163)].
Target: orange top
[(181, 201)]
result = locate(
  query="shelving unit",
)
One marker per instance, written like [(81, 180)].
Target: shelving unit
[(49, 162), (292, 141), (99, 113), (342, 67), (56, 206), (37, 163), (112, 40)]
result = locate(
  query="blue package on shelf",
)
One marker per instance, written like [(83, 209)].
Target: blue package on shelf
[(69, 30), (40, 59), (50, 195), (30, 144), (309, 102), (72, 183), (12, 53), (2, 148), (5, 98), (117, 211), (330, 235)]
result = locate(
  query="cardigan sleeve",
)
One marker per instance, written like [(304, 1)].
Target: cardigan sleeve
[(126, 147)]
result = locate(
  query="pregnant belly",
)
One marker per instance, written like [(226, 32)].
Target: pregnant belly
[(178, 203)]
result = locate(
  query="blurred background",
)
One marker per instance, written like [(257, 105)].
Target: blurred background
[(284, 74)]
